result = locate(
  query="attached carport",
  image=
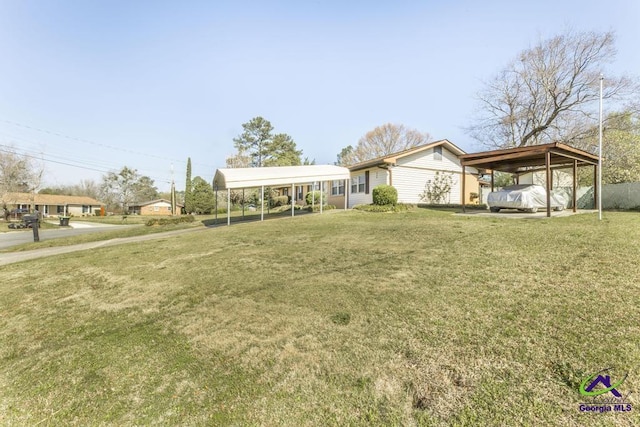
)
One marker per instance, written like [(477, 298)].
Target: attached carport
[(531, 159), (278, 176)]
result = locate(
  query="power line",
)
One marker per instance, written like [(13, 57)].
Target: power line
[(71, 164), (111, 147)]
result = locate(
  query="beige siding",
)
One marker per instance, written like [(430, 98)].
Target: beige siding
[(412, 172), (411, 182), (561, 178), (425, 160), (160, 208), (377, 176)]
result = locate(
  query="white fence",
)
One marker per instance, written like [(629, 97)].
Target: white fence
[(614, 196)]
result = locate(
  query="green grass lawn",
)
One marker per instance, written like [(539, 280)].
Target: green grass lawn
[(352, 318)]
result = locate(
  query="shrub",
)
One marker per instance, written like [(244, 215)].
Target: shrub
[(481, 206), (400, 207), (385, 195), (314, 196), (438, 189), (279, 201), (173, 220), (316, 208)]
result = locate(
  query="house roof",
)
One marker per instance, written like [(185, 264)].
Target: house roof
[(49, 199), (235, 178), (391, 159), (153, 202), (521, 159)]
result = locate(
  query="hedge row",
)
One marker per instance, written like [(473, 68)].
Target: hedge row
[(316, 208), (167, 221), (400, 207)]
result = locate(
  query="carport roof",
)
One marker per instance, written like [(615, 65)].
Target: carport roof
[(520, 159), (236, 178)]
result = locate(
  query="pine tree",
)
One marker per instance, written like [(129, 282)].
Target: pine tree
[(188, 193)]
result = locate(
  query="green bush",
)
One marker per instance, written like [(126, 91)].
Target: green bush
[(316, 208), (279, 201), (314, 196), (400, 207), (482, 206), (172, 220), (385, 195)]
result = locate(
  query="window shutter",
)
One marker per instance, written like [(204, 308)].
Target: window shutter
[(366, 182)]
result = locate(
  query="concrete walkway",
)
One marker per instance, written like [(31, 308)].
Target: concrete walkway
[(13, 257), (514, 213)]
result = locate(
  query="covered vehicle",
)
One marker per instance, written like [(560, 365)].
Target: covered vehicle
[(524, 197)]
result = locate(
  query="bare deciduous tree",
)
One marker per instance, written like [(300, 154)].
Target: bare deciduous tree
[(550, 92), (381, 141), (18, 174)]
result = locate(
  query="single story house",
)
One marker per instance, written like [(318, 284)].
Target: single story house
[(155, 207), (52, 204), (409, 171)]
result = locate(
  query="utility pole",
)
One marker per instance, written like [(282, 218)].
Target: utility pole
[(600, 155)]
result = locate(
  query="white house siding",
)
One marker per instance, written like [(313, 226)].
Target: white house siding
[(561, 178), (377, 176), (411, 173)]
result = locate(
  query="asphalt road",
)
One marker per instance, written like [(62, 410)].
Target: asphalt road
[(14, 238)]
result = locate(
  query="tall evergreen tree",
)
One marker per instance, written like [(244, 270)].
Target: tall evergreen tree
[(257, 146), (188, 193), (203, 198)]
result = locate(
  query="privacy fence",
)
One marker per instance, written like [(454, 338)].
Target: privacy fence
[(614, 196)]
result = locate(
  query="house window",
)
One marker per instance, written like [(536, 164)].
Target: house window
[(437, 152), (285, 191), (156, 208), (337, 188), (358, 184), (300, 192), (85, 209), (60, 210)]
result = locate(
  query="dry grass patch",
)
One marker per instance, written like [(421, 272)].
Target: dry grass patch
[(419, 318)]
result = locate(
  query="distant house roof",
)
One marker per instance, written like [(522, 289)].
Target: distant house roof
[(153, 202), (49, 199), (391, 159), (236, 178)]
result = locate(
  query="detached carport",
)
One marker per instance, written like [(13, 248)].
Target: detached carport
[(531, 159), (277, 176)]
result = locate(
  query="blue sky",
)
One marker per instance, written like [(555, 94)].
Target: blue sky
[(147, 84)]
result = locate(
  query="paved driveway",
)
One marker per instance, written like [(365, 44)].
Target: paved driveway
[(14, 238), (514, 213)]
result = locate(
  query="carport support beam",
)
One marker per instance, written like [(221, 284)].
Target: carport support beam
[(547, 160), (575, 185), (262, 203), (345, 195), (595, 187), (464, 209), (293, 197), (228, 207), (321, 193)]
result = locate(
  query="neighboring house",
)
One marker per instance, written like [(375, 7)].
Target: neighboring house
[(300, 192), (559, 178), (155, 207), (52, 204), (409, 170)]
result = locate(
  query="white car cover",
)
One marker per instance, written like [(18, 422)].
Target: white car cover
[(525, 196)]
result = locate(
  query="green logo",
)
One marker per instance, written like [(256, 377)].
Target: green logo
[(605, 380)]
